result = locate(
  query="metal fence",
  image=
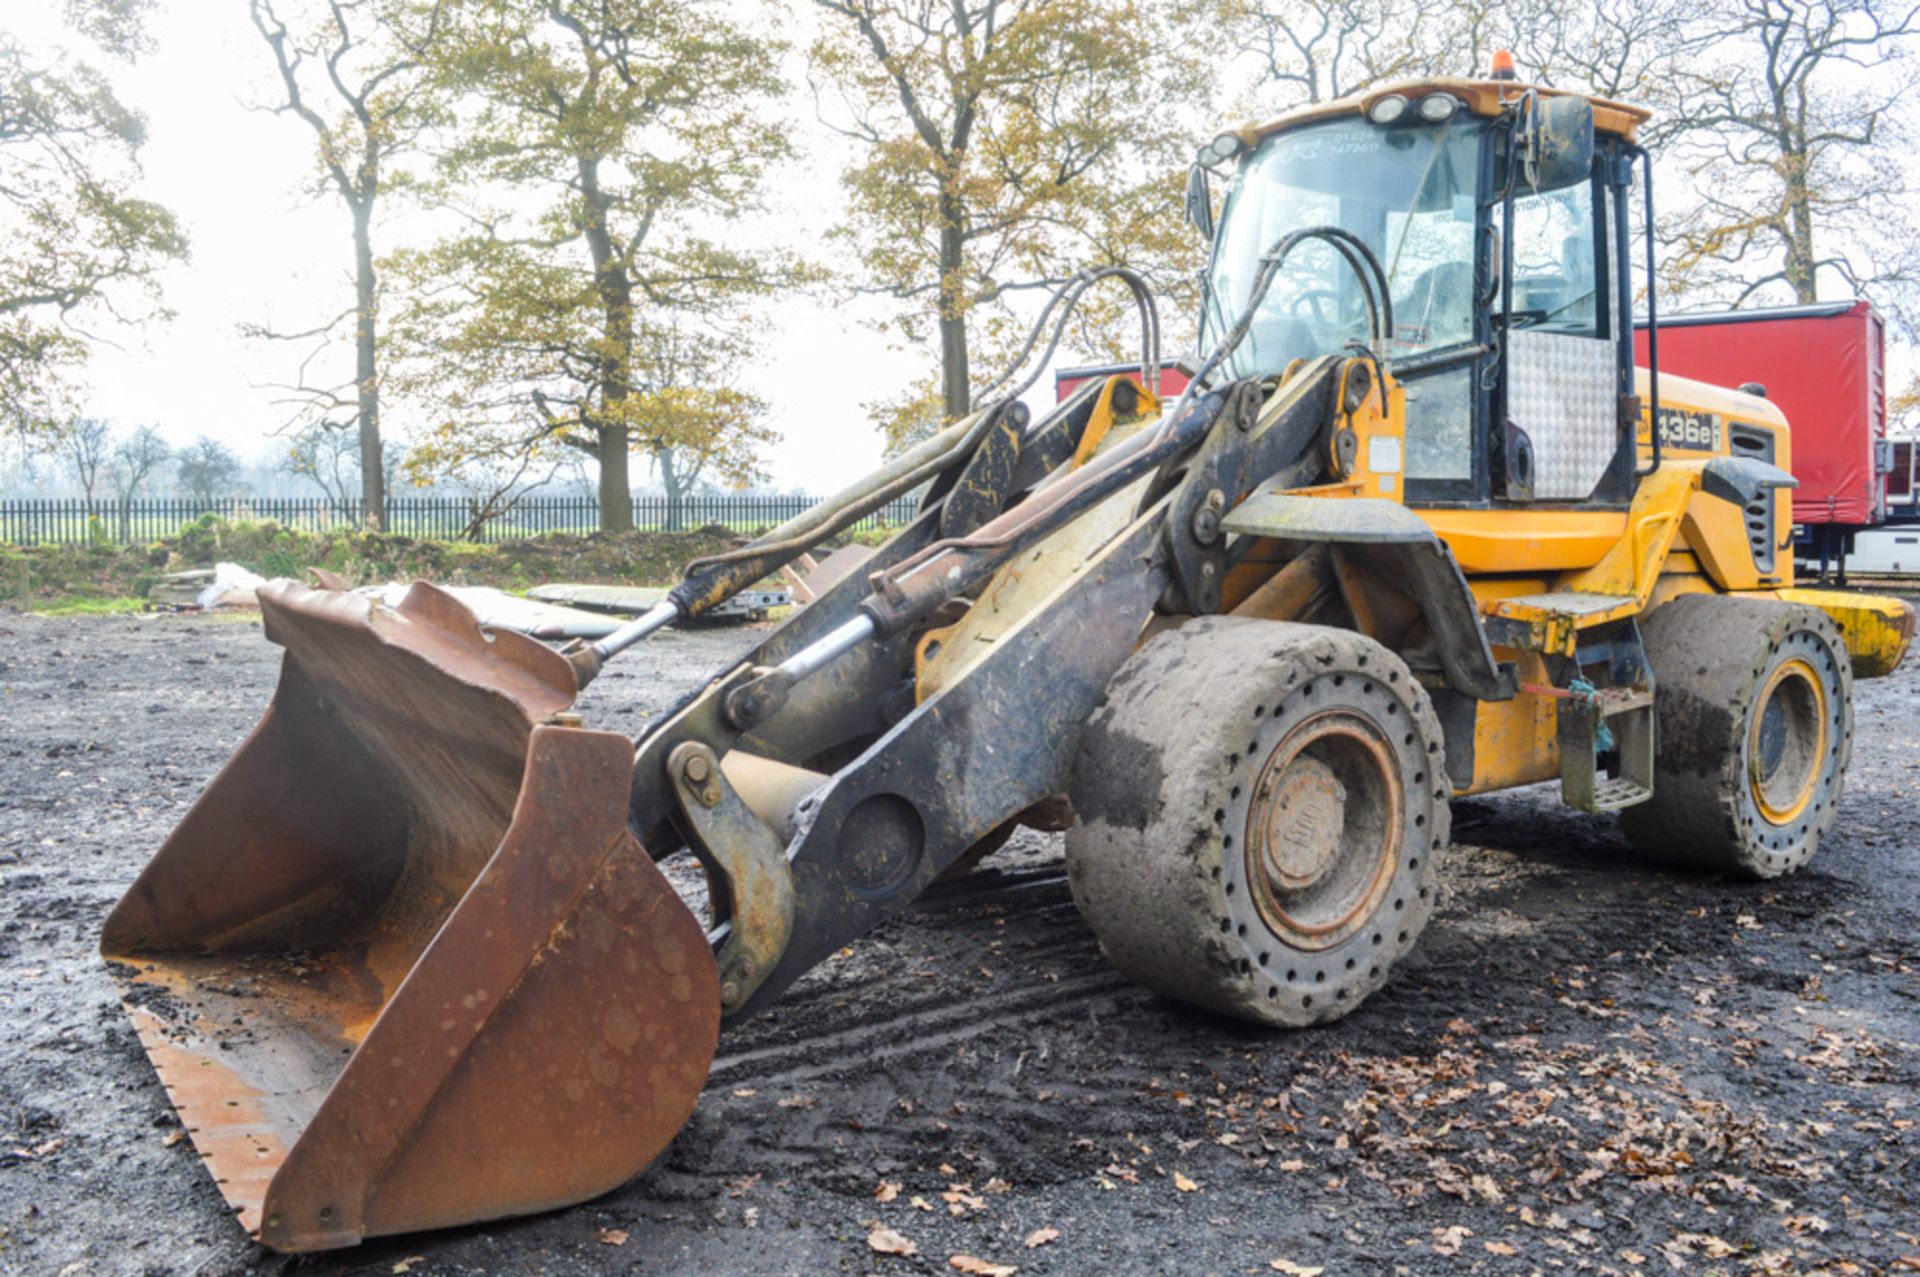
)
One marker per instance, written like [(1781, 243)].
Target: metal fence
[(69, 521)]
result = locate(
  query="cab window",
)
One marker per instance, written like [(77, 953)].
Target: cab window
[(1555, 288)]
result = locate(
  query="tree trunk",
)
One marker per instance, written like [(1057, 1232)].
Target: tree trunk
[(675, 489), (1800, 271), (373, 479), (956, 391), (616, 304), (616, 492)]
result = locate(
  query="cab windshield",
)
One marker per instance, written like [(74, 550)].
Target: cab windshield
[(1408, 192)]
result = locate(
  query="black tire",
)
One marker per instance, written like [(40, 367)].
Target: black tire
[(1753, 701), (1213, 741)]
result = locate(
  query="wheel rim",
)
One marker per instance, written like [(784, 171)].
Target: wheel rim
[(1323, 830), (1786, 740)]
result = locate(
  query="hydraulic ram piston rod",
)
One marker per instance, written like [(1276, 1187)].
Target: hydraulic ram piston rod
[(754, 701), (657, 617)]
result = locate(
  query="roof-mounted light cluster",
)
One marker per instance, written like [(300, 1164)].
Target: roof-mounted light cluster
[(1222, 149), (1397, 108)]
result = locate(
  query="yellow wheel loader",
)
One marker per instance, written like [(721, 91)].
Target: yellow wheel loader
[(1418, 528)]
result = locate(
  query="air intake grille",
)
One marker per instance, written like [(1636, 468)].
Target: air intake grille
[(1751, 441)]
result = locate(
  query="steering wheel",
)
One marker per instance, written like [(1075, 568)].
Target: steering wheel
[(1443, 292), (1312, 298)]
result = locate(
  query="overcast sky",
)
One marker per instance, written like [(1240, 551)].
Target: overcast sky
[(265, 252)]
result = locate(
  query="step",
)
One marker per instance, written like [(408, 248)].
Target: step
[(1619, 792), (1552, 622)]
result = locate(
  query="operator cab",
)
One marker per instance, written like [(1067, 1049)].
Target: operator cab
[(1496, 215)]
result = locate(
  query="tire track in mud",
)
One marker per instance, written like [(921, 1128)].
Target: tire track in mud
[(922, 1030), (819, 1031)]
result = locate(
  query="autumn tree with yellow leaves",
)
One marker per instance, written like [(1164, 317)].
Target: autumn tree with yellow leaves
[(79, 247), (600, 159), (1001, 146)]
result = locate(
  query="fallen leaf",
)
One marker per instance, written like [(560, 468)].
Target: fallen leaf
[(406, 1265), (1042, 1237), (1184, 1184), (1447, 1241), (1294, 1270), (978, 1267), (887, 1191), (920, 1203), (612, 1236), (1499, 1248), (172, 1138), (884, 1241), (745, 1092)]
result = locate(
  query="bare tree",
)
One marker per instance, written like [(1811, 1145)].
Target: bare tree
[(84, 446), (1788, 121), (329, 459), (136, 458), (208, 470), (1320, 51), (353, 49)]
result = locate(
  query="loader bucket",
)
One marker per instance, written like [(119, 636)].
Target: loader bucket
[(403, 965)]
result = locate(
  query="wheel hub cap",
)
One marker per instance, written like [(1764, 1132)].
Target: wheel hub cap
[(1324, 828), (1304, 817)]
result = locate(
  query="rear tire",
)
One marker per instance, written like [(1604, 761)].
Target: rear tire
[(1260, 810), (1754, 704)]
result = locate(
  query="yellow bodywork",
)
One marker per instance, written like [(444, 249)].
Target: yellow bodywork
[(1553, 571), (1559, 570)]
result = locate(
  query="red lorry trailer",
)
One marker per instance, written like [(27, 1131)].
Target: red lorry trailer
[(1825, 366), (1174, 375)]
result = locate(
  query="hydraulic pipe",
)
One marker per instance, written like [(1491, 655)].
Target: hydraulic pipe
[(948, 569)]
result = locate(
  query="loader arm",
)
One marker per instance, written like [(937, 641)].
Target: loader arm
[(1094, 549)]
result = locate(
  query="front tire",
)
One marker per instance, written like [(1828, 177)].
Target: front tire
[(1754, 704), (1261, 806)]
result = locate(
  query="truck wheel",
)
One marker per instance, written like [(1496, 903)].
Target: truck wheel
[(1754, 705), (1260, 807)]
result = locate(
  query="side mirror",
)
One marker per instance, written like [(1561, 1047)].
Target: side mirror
[(1562, 140), (1199, 208)]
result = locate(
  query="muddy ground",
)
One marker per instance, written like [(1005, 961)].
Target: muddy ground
[(1587, 1065)]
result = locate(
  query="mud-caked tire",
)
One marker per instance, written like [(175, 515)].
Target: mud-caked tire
[(1260, 806), (1753, 702)]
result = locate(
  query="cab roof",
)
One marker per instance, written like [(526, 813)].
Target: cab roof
[(1483, 97)]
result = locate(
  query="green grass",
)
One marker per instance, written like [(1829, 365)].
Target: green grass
[(86, 605)]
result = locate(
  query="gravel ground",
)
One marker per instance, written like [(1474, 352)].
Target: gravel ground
[(1587, 1065)]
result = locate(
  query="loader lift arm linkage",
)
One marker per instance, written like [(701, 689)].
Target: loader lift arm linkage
[(411, 961)]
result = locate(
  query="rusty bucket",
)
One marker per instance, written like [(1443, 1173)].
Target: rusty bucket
[(403, 965)]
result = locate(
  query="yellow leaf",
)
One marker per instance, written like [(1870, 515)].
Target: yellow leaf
[(612, 1236), (1499, 1248), (885, 1241), (887, 1191), (974, 1266), (1292, 1269), (1042, 1237), (1184, 1184)]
